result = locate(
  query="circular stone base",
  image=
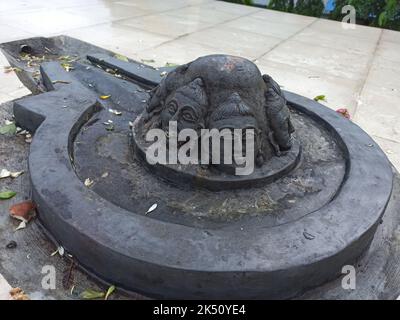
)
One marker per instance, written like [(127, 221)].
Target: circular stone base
[(161, 257), (308, 187), (267, 254), (376, 272)]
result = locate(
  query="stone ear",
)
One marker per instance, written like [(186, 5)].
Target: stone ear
[(182, 68), (266, 78), (271, 83), (198, 82), (157, 97)]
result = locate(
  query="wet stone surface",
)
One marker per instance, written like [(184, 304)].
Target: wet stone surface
[(277, 255)]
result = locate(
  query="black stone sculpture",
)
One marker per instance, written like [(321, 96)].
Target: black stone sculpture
[(222, 92)]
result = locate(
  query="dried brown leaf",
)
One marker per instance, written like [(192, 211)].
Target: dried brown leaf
[(23, 211)]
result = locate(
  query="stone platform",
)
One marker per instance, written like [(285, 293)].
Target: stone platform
[(308, 251)]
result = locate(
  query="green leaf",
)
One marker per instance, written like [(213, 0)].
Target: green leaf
[(92, 294), (382, 19), (8, 129), (9, 69), (121, 57), (109, 292), (110, 127), (320, 97), (170, 64), (148, 60), (4, 195)]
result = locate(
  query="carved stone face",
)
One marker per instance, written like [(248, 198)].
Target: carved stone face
[(187, 106), (235, 114)]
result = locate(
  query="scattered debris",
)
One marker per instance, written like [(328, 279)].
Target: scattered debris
[(88, 182), (116, 112), (68, 277), (31, 60), (18, 294), (152, 208), (36, 74), (9, 69), (344, 112), (24, 212), (169, 64), (104, 175), (11, 245), (72, 290), (67, 66), (67, 58), (66, 62), (60, 81), (7, 194), (164, 73), (110, 127), (147, 60), (320, 98), (109, 292), (60, 251), (112, 71), (130, 124), (28, 138), (22, 225), (308, 236), (48, 50), (105, 97), (9, 128), (121, 57), (4, 173), (22, 132), (108, 122), (92, 294)]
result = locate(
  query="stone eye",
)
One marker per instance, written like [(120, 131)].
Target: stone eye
[(188, 116), (172, 107)]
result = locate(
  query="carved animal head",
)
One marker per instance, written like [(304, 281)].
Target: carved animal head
[(187, 106)]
